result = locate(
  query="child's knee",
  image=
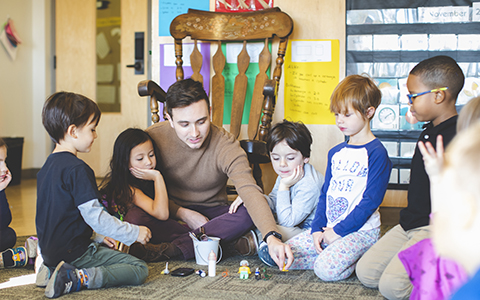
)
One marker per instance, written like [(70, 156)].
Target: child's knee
[(325, 271), (142, 272), (392, 286), (366, 273)]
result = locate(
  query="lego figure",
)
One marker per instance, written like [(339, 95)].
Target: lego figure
[(244, 270), (257, 274)]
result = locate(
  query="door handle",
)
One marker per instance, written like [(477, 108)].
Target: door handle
[(137, 66), (139, 55)]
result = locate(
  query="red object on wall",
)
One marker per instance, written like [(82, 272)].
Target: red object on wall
[(242, 5)]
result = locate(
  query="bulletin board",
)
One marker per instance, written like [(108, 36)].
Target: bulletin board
[(387, 38)]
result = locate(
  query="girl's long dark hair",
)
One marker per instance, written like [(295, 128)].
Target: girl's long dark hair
[(116, 187)]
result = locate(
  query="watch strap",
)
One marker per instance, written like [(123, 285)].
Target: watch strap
[(274, 233)]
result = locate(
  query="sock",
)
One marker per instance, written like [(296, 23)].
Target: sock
[(83, 277), (7, 257)]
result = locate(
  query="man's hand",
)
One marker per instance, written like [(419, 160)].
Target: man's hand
[(317, 238), (277, 251), (235, 204), (110, 243), (287, 182), (329, 235), (145, 174), (193, 219), (144, 235)]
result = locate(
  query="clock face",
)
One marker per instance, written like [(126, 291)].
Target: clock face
[(387, 115)]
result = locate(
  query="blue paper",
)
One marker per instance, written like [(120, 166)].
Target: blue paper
[(168, 10)]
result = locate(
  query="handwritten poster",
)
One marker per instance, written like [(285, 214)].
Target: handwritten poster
[(169, 9), (312, 70)]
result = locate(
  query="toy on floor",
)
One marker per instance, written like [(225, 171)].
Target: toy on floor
[(244, 270), (257, 274), (166, 271), (201, 273)]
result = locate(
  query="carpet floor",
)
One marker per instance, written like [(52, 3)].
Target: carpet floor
[(294, 284)]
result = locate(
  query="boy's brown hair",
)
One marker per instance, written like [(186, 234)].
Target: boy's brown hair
[(440, 71), (63, 109), (358, 91), (296, 134)]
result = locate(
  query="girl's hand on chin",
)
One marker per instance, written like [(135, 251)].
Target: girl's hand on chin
[(145, 174)]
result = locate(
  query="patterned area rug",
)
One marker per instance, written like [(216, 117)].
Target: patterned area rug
[(295, 284)]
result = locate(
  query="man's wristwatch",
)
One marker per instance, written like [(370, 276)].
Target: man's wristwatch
[(274, 233)]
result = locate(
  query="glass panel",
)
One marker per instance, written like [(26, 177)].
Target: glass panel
[(108, 55)]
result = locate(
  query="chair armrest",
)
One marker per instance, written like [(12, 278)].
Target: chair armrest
[(152, 89)]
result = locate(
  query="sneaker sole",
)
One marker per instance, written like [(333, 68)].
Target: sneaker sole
[(50, 289)]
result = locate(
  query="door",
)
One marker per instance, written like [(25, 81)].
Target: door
[(76, 69)]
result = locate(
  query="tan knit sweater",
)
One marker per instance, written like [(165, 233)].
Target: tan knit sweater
[(199, 176)]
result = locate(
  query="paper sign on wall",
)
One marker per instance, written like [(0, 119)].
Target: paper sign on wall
[(312, 70), (169, 9)]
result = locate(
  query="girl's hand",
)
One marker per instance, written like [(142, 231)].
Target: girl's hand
[(235, 204), (287, 182), (5, 179), (317, 238), (145, 174), (432, 159), (329, 235), (111, 243)]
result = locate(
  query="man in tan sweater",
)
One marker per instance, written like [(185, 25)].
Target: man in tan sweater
[(196, 158)]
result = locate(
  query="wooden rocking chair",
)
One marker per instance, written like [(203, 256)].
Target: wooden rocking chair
[(221, 27)]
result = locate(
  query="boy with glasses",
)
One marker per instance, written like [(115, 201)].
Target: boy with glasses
[(434, 85)]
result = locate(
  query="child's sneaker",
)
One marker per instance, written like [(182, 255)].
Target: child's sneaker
[(12, 258), (31, 246), (265, 256), (43, 276), (63, 281)]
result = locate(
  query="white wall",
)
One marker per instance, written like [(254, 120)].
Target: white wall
[(26, 82)]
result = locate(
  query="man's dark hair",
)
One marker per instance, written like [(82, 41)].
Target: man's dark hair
[(183, 93), (440, 71), (63, 109), (296, 134)]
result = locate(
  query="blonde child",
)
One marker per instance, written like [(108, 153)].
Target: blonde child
[(456, 207), (347, 221)]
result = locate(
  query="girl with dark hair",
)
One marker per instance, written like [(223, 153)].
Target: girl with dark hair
[(134, 191)]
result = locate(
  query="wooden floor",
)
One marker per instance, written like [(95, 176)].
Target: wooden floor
[(23, 203)]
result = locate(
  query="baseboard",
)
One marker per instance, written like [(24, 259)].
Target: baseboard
[(30, 173)]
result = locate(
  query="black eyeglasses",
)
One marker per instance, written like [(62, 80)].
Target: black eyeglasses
[(411, 96)]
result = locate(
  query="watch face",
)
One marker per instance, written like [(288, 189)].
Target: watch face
[(387, 115)]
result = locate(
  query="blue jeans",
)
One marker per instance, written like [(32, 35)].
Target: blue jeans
[(107, 267)]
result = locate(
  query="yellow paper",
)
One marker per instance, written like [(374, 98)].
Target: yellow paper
[(312, 70)]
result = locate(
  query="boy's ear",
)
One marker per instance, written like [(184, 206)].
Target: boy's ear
[(370, 112), (306, 160), (72, 131), (440, 96)]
